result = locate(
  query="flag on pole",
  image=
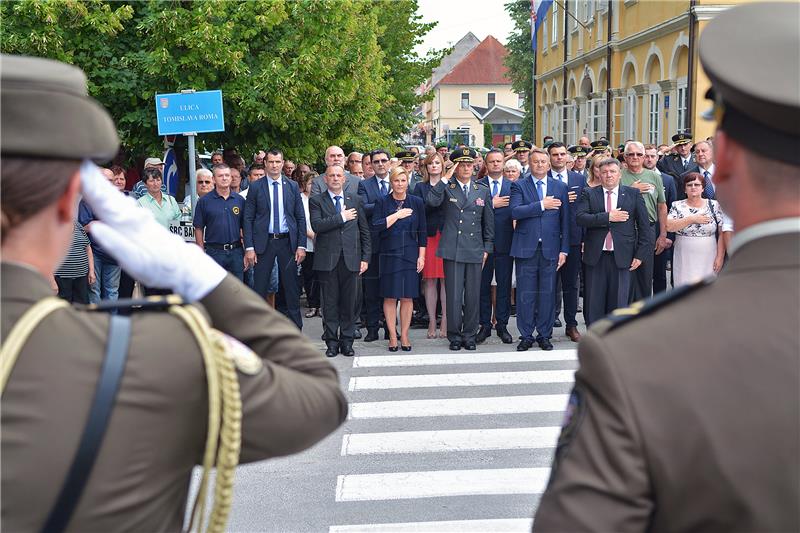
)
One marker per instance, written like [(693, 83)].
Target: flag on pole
[(538, 12), (170, 172)]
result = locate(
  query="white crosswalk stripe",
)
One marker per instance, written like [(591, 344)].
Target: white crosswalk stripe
[(460, 434)]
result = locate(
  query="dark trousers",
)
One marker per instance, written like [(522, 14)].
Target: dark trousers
[(567, 287), (642, 282), (73, 290), (287, 269), (338, 302), (499, 266), (372, 305), (462, 291), (607, 288), (536, 282), (230, 260), (310, 281), (660, 267)]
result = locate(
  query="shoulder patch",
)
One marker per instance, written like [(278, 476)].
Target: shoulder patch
[(245, 359), (626, 315)]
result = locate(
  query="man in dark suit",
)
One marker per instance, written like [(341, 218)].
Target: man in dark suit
[(334, 155), (341, 254), (616, 240), (466, 242), (499, 264), (369, 190), (567, 278), (275, 227), (681, 161), (540, 207)]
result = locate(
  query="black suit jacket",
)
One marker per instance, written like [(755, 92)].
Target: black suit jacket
[(632, 238), (334, 237), (673, 164)]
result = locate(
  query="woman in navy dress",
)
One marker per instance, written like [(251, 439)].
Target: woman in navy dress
[(401, 218)]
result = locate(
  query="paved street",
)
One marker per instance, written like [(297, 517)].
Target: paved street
[(435, 441)]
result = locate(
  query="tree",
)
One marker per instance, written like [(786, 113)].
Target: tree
[(488, 133), (520, 59), (298, 74)]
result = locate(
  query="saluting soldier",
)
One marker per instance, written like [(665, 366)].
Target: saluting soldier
[(103, 416), (703, 433), (467, 240), (522, 151), (682, 161)]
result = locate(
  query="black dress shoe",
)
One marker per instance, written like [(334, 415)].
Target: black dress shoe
[(557, 323), (372, 335), (455, 345), (504, 335), (356, 333), (483, 334), (545, 344), (523, 345), (470, 345), (333, 349)]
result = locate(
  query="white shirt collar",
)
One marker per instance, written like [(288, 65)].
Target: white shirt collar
[(614, 191), (764, 229), (710, 170), (333, 196)]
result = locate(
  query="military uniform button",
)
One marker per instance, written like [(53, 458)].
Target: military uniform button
[(459, 232)]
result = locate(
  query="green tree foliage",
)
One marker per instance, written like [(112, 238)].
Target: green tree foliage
[(487, 134), (298, 74), (520, 58)]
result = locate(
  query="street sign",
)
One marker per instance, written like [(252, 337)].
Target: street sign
[(189, 112), (182, 228)]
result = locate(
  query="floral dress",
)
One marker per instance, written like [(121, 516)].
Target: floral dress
[(696, 244)]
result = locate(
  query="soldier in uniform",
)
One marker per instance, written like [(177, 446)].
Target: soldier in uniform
[(466, 242), (682, 161), (522, 151), (703, 433), (154, 384)]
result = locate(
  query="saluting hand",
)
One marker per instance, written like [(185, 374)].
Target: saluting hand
[(500, 201), (350, 214), (551, 202), (617, 215)]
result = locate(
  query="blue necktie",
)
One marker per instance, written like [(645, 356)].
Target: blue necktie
[(686, 164), (709, 188), (494, 188), (276, 210), (539, 189), (338, 204), (560, 178), (383, 187), (465, 191)]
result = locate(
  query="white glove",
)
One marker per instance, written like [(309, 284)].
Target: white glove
[(144, 248)]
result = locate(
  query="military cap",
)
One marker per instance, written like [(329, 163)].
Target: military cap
[(521, 146), (599, 145), (547, 144), (463, 155), (756, 94), (682, 138), (578, 151), (47, 112), (406, 156), (441, 145)]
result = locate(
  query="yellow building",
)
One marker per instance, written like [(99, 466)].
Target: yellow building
[(628, 70)]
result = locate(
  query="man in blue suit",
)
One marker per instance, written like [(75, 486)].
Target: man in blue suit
[(370, 190), (567, 278), (499, 264), (540, 207), (275, 227)]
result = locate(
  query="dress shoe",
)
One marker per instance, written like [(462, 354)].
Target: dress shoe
[(394, 348), (455, 345), (545, 344), (557, 323), (524, 344), (504, 335), (573, 334), (470, 345), (372, 335), (333, 349), (347, 348), (405, 348), (483, 334), (356, 333)]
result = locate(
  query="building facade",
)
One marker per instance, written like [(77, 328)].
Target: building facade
[(625, 69)]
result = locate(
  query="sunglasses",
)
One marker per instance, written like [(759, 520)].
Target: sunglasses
[(204, 182), (634, 154)]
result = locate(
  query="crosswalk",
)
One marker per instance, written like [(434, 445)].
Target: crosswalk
[(457, 442)]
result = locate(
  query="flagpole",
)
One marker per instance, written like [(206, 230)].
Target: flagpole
[(533, 99)]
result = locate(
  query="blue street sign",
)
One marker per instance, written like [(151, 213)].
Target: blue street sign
[(199, 112)]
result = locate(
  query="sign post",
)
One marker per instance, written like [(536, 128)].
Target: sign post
[(189, 113)]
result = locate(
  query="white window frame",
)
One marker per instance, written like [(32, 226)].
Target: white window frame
[(554, 22), (545, 120), (682, 105), (568, 122), (573, 20), (598, 117), (654, 116), (555, 121), (618, 124), (462, 106), (630, 115)]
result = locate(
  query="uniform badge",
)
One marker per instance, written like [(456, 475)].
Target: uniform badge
[(480, 202), (235, 210), (245, 359), (452, 185), (453, 199)]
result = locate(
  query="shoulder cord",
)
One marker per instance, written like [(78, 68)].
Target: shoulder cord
[(224, 421)]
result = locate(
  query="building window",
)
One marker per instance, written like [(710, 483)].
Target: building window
[(630, 115), (597, 125), (464, 100), (490, 100), (576, 14), (545, 121), (589, 12), (681, 106), (568, 124), (654, 118), (554, 20)]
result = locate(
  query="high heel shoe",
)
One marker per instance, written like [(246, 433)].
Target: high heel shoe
[(393, 348), (432, 334), (405, 348)]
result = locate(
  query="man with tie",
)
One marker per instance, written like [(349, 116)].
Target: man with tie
[(616, 240), (466, 242), (651, 186), (369, 191), (275, 227), (680, 162), (499, 264), (704, 156), (334, 155), (540, 207), (566, 289), (342, 250), (522, 150)]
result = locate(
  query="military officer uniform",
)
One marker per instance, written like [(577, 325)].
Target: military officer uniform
[(522, 146), (599, 145), (675, 165), (467, 234), (413, 176), (703, 433), (159, 415)]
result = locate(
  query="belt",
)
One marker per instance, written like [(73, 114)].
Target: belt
[(278, 235), (230, 246), (609, 252)]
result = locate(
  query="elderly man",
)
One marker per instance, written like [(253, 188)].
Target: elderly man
[(334, 155), (204, 180), (681, 161), (584, 142), (704, 157)]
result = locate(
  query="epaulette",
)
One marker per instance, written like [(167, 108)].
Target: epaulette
[(149, 303), (626, 315)]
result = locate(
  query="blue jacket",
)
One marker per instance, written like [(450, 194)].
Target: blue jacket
[(405, 243), (369, 193), (575, 183), (258, 212), (533, 223), (503, 223)]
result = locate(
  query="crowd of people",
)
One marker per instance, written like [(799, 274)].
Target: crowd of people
[(456, 239)]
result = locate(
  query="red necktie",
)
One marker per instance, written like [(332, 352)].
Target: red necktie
[(609, 244)]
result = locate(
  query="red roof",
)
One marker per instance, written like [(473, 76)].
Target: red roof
[(482, 66)]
